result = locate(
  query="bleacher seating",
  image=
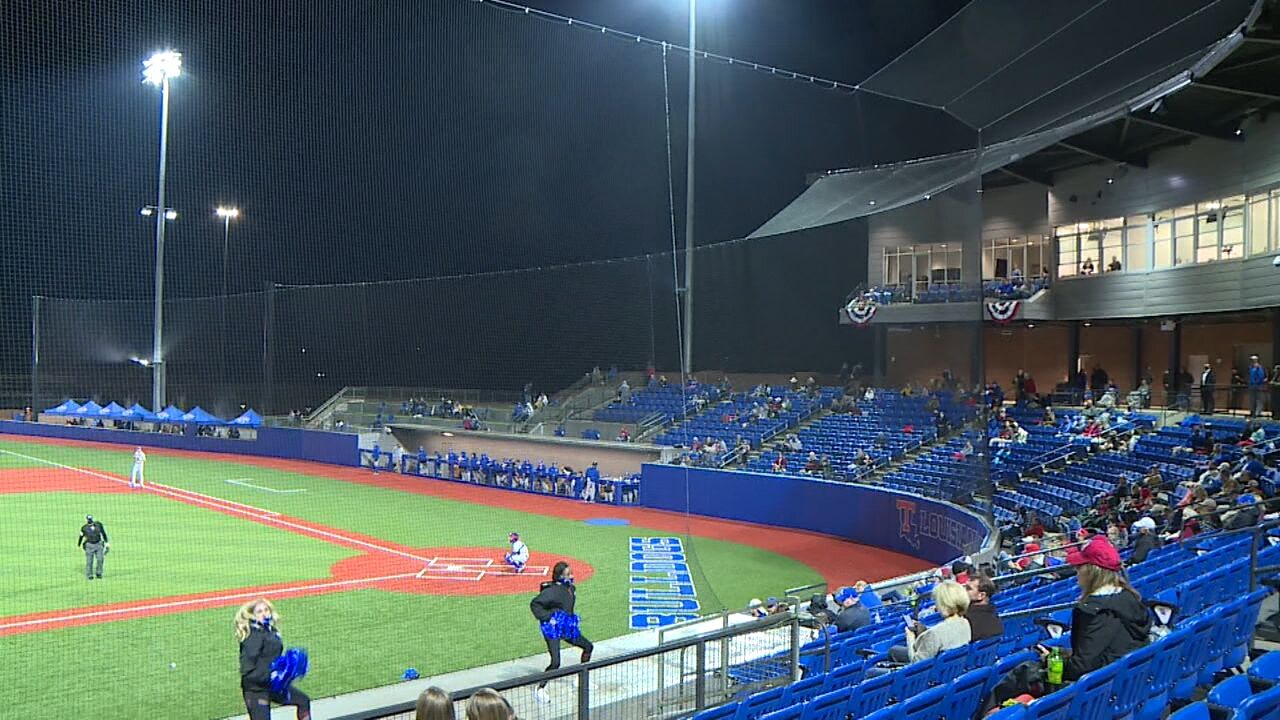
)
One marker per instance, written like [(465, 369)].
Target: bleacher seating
[(671, 402), (1218, 614), (731, 418)]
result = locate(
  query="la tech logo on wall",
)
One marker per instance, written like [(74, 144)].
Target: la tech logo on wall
[(916, 522)]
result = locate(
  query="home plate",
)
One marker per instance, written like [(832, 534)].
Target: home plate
[(473, 569)]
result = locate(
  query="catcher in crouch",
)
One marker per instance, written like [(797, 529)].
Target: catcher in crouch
[(519, 555)]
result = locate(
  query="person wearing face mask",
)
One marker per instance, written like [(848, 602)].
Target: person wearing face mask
[(553, 608), (260, 645)]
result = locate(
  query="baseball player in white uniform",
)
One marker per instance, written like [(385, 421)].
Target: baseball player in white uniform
[(519, 554), (139, 459)]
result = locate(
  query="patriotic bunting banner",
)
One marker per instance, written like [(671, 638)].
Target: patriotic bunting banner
[(1003, 311), (860, 312)]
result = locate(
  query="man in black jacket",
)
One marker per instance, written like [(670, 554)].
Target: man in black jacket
[(551, 607), (1208, 379), (983, 620), (93, 538), (1145, 540), (852, 614)]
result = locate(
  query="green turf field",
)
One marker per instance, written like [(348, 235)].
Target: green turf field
[(357, 639)]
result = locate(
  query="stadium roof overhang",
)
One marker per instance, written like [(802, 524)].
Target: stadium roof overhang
[(1036, 94)]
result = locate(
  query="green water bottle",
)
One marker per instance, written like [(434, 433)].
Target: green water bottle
[(1055, 667)]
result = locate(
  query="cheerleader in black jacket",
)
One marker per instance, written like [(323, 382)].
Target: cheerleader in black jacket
[(260, 645), (553, 607)]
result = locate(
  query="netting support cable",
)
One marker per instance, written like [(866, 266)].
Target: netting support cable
[(782, 73)]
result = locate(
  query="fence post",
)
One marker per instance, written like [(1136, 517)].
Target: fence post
[(795, 648), (700, 679), (584, 695)]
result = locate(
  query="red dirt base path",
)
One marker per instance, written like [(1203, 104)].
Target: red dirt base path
[(40, 480)]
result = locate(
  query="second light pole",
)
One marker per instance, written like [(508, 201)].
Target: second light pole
[(226, 214)]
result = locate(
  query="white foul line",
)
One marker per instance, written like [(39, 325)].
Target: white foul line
[(244, 483), (228, 505), (203, 601)]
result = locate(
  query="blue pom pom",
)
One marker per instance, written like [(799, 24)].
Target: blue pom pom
[(410, 674), (562, 625), (290, 666)]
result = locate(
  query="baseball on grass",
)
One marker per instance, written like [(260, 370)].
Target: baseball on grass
[(173, 666)]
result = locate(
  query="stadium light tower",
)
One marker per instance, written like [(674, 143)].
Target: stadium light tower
[(688, 196), (227, 214), (158, 70)]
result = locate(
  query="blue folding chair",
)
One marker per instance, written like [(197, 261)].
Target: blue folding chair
[(802, 691), (761, 703), (1194, 711), (1005, 664), (1054, 706), (1163, 673), (870, 695), (827, 706), (912, 679), (1132, 681), (1194, 654), (788, 712), (722, 712), (1266, 667), (1093, 694), (1263, 706), (983, 654), (967, 692), (1231, 692), (843, 677), (1246, 623), (893, 712), (1220, 640), (929, 705), (949, 665)]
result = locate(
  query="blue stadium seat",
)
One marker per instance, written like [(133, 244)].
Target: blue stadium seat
[(722, 712), (802, 691), (1231, 692), (912, 679), (760, 703), (1266, 667), (1194, 711), (870, 695), (1093, 694), (949, 665), (929, 705), (787, 712), (1164, 672), (1132, 682), (1263, 706), (843, 676), (1055, 706), (966, 694), (828, 706)]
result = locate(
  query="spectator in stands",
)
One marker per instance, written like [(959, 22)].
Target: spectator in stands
[(1145, 540), (1114, 265), (852, 614), (1275, 392), (983, 621), (792, 443), (1086, 268), (1208, 379), (780, 463), (951, 601), (1110, 620), (1098, 380), (487, 704), (623, 435), (1257, 386), (812, 464), (624, 392), (434, 704)]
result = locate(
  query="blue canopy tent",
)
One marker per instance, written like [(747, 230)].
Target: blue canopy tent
[(66, 408), (112, 411), (170, 414), (248, 419), (200, 416), (87, 410), (138, 413)]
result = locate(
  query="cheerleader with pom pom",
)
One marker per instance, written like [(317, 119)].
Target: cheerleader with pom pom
[(553, 607), (267, 672)]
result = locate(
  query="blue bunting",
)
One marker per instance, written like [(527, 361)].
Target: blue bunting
[(561, 626), (290, 666)]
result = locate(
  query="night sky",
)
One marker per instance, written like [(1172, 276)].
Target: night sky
[(372, 141)]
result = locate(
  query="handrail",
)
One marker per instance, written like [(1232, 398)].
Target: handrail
[(582, 670)]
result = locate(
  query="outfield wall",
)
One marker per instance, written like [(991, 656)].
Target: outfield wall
[(288, 443), (914, 525)]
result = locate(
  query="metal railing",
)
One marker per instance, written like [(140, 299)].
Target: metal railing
[(674, 679)]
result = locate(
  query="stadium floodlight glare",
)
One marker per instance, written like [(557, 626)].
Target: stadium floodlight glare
[(158, 70), (161, 67), (226, 212), (149, 210)]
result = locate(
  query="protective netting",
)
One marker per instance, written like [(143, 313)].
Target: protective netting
[(460, 235)]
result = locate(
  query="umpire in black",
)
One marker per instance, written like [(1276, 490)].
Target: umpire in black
[(93, 538)]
